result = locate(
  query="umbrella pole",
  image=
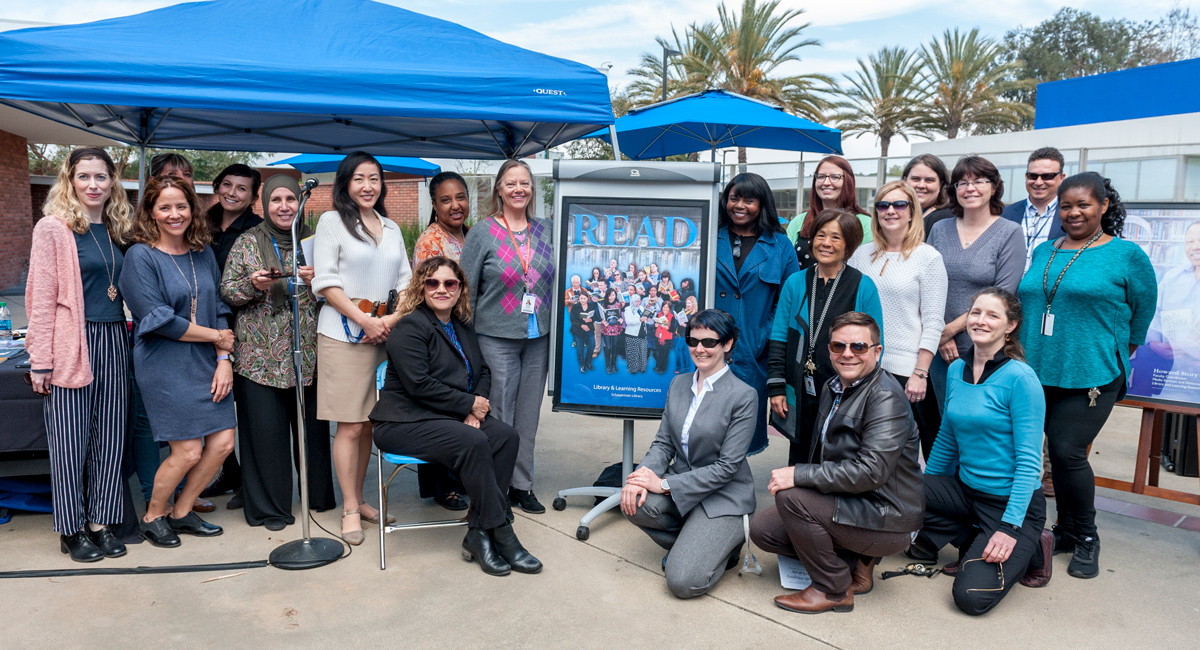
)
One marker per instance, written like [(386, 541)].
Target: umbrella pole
[(612, 133), (141, 171)]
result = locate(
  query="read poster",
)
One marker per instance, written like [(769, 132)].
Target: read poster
[(632, 276)]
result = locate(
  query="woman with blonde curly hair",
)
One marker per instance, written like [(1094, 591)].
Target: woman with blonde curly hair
[(434, 406), (182, 343), (79, 349)]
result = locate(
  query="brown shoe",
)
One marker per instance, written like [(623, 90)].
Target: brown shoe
[(1040, 577), (952, 568), (203, 505), (813, 601), (864, 577)]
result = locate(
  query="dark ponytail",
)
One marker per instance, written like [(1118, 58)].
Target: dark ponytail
[(1012, 310), (1112, 222), (434, 183)]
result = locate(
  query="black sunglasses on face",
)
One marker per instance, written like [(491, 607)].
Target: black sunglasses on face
[(432, 284), (882, 206), (857, 347), (708, 343), (1048, 176)]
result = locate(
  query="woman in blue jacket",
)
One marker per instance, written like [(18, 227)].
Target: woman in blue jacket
[(754, 259), (799, 364)]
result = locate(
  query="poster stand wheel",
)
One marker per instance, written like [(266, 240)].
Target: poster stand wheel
[(1146, 465), (612, 495)]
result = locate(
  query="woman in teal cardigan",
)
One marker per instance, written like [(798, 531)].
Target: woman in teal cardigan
[(1090, 296), (983, 479), (798, 366)]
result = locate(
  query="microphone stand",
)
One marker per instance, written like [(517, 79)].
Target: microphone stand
[(306, 553)]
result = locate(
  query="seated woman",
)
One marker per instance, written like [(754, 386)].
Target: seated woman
[(982, 482), (694, 484), (434, 406)]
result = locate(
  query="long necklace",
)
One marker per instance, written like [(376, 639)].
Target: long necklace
[(194, 286), (112, 285), (809, 366), (978, 233)]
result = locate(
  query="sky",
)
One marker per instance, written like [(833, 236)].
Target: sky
[(617, 32)]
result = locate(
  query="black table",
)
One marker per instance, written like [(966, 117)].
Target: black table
[(22, 426)]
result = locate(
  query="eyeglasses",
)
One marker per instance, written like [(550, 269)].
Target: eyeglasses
[(882, 206), (1048, 176), (999, 574), (737, 247), (857, 347), (432, 284), (836, 178), (708, 343), (977, 183)]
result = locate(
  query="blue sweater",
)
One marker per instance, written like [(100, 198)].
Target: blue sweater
[(992, 432)]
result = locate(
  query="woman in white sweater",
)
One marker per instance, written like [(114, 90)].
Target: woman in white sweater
[(359, 259), (911, 280)]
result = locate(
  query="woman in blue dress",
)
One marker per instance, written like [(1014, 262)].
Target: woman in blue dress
[(181, 352), (754, 259)]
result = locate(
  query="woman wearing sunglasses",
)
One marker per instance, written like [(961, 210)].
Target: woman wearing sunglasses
[(911, 280), (257, 281), (359, 257), (982, 481), (810, 301), (694, 484), (832, 188), (979, 249), (434, 406)]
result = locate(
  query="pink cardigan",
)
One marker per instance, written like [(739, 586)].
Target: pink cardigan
[(56, 339)]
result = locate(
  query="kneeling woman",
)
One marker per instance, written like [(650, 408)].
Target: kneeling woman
[(982, 482), (181, 347), (694, 484), (434, 406)]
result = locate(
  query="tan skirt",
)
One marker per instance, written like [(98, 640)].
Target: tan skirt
[(346, 379)]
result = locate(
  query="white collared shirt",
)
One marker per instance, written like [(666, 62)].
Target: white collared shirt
[(698, 392), (1036, 226)]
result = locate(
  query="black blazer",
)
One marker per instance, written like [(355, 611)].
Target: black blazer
[(426, 378)]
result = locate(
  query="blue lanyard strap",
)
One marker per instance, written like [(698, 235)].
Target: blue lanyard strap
[(346, 327)]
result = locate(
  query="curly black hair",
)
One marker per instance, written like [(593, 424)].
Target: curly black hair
[(1112, 222)]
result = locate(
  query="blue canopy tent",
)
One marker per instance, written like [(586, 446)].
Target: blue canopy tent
[(715, 119), (309, 76), (318, 163)]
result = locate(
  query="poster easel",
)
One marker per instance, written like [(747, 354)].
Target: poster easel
[(1146, 463)]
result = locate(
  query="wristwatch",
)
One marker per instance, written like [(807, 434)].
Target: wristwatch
[(665, 488), (922, 373)]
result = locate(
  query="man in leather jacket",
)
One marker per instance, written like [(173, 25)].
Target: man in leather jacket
[(860, 496)]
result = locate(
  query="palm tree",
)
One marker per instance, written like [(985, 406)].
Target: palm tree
[(883, 98), (685, 74), (966, 83)]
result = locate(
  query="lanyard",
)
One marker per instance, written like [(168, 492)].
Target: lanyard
[(1031, 234), (809, 366), (1046, 274), (528, 249), (278, 253)]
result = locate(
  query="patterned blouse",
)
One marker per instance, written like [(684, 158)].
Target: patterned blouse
[(263, 346), (436, 241)]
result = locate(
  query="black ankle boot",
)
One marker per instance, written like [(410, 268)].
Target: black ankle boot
[(477, 545), (511, 550), (80, 547)]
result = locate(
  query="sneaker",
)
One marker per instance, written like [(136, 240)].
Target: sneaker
[(527, 500), (1085, 563), (1064, 542)]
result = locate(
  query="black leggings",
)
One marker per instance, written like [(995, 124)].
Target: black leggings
[(610, 352), (1071, 426)]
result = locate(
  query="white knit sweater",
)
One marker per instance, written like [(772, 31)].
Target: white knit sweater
[(913, 294)]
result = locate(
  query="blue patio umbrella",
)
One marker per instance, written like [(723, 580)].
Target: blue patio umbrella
[(715, 119), (316, 163)]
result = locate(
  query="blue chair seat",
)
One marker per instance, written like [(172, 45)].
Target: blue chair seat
[(397, 459)]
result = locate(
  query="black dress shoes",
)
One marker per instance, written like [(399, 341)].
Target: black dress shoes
[(158, 533), (509, 548), (477, 545), (192, 524), (80, 547), (527, 501), (274, 523), (107, 542)]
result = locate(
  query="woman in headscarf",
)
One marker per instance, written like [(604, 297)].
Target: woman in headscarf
[(257, 279)]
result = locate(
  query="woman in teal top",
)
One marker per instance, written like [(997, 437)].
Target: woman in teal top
[(1091, 297), (983, 479)]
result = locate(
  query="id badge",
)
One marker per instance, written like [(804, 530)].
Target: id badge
[(810, 386), (1047, 324), (529, 303)]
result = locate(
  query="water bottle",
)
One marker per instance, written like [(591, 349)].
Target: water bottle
[(5, 325)]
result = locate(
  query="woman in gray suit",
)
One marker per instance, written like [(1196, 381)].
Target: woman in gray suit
[(694, 484)]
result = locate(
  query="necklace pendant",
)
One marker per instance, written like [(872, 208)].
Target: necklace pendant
[(193, 309), (112, 292)]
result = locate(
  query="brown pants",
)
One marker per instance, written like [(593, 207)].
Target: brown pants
[(800, 525)]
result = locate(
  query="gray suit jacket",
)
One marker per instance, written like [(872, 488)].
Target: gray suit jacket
[(715, 473)]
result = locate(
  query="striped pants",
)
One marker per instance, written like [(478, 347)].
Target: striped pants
[(85, 429)]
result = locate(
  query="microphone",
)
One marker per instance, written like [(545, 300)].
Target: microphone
[(309, 185)]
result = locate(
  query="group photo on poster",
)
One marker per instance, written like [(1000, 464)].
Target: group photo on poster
[(631, 280), (1167, 367)]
